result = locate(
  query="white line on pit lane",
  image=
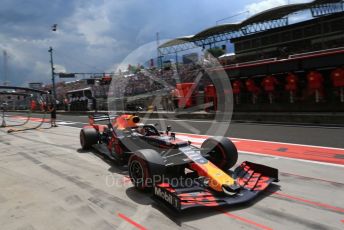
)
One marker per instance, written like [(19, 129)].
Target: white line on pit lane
[(293, 159), (290, 125), (62, 122)]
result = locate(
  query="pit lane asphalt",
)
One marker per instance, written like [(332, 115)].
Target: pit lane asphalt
[(47, 182), (299, 134)]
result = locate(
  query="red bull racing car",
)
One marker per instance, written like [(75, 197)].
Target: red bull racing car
[(178, 173)]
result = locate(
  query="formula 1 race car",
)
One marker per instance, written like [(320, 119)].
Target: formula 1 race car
[(179, 174)]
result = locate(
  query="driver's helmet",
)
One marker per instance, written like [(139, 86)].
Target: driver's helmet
[(141, 130)]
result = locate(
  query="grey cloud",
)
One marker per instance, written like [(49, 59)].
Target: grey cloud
[(94, 35)]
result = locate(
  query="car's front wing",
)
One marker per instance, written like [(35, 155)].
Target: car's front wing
[(252, 179)]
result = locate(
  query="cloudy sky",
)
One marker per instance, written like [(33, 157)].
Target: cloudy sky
[(96, 35)]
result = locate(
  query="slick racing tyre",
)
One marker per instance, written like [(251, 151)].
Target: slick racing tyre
[(220, 151), (88, 137), (145, 169)]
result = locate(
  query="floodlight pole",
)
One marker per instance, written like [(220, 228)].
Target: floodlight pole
[(5, 67), (52, 74), (159, 57)]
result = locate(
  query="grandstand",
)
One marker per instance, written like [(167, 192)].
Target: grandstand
[(265, 21), (320, 33), (268, 45)]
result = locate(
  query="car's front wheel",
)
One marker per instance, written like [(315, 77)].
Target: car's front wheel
[(139, 173), (146, 169), (220, 151)]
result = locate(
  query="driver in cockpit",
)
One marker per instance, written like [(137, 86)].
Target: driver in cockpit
[(141, 130)]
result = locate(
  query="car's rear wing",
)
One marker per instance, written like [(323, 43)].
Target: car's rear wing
[(101, 117)]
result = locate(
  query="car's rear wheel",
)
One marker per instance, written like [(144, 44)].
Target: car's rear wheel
[(221, 151), (88, 137)]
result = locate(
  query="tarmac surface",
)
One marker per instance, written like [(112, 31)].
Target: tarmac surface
[(48, 182)]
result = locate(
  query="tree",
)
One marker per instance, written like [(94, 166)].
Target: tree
[(216, 51)]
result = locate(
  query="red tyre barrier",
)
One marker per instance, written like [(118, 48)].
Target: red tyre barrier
[(33, 105), (292, 82), (269, 85), (315, 84), (236, 86), (291, 86), (337, 78), (315, 80), (253, 89)]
